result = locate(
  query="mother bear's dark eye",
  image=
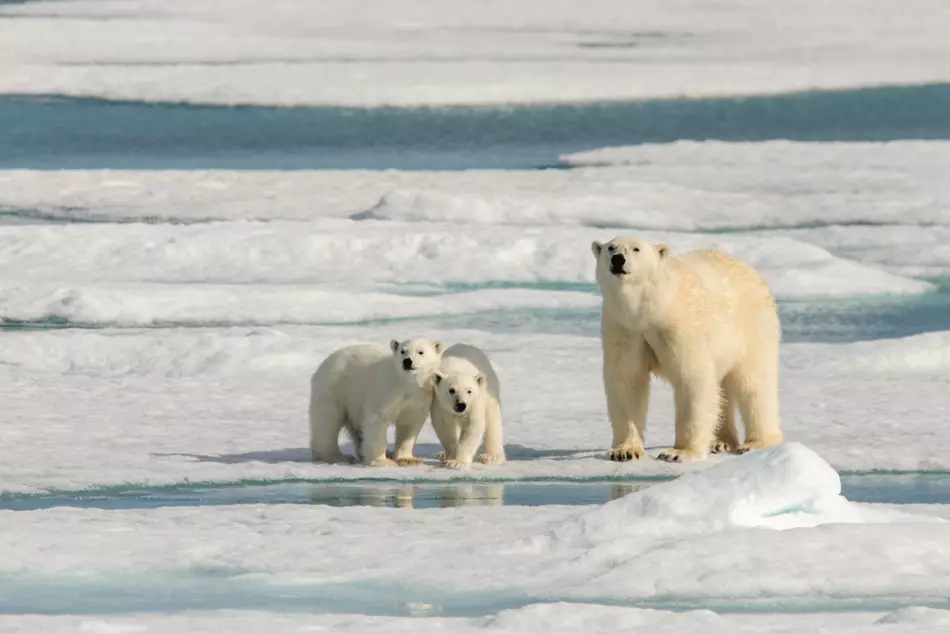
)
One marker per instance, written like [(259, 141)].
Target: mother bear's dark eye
[(421, 352), (637, 249)]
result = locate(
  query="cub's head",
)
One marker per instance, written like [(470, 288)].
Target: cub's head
[(416, 357), (627, 259), (457, 391)]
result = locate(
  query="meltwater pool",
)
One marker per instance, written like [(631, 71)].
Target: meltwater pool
[(892, 488)]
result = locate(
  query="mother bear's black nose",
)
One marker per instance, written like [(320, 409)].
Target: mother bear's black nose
[(617, 260), (407, 364)]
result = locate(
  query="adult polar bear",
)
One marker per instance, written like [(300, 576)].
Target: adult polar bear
[(364, 388), (705, 322)]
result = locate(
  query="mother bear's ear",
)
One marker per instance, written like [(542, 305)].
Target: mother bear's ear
[(663, 250), (595, 248)]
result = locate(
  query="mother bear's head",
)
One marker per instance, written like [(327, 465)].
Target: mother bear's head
[(626, 260)]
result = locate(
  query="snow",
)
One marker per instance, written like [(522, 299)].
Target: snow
[(160, 327), (767, 527), (414, 52), (917, 616), (220, 405), (205, 300), (682, 186), (554, 617), (788, 486)]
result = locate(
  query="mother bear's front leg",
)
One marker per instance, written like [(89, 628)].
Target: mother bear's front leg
[(627, 386), (697, 399)]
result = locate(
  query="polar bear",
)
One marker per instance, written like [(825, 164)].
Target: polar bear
[(704, 321), (364, 388), (466, 407)]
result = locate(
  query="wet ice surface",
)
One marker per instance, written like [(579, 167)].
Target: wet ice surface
[(920, 488)]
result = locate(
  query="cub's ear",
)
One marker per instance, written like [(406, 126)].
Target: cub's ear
[(663, 250), (438, 378), (595, 248), (394, 345), (438, 347), (480, 379)]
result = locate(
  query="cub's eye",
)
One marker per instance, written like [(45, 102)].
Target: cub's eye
[(421, 353), (611, 248), (403, 352), (637, 249), (451, 390)]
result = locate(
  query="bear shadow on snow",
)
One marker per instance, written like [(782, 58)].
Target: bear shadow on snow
[(426, 450), (290, 454), (520, 452)]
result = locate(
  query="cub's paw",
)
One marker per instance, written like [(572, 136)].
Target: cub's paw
[(491, 458), (383, 462), (720, 446), (411, 461), (679, 455), (625, 453), (455, 464)]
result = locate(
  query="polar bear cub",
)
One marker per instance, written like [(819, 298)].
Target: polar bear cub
[(364, 388), (466, 407), (704, 321)]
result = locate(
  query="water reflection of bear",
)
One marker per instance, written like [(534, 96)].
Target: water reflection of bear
[(410, 496), (430, 495), (620, 489)]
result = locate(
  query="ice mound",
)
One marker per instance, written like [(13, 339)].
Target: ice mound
[(917, 616), (536, 207), (926, 354), (209, 304), (786, 486), (579, 617)]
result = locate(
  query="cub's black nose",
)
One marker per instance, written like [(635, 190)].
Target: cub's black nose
[(460, 407), (407, 364), (617, 260)]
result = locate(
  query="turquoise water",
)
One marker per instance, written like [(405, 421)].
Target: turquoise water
[(203, 591), (55, 132), (194, 590), (922, 488)]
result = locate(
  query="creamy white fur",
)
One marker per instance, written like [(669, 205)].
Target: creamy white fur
[(365, 388), (467, 378), (704, 321)]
